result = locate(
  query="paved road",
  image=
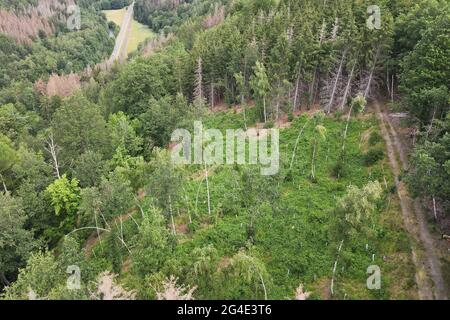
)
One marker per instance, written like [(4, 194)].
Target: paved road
[(120, 48)]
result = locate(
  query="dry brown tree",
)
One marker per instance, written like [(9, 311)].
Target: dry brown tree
[(172, 291)]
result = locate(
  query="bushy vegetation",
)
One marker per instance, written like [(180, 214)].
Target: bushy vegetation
[(88, 178), (422, 47), (255, 225)]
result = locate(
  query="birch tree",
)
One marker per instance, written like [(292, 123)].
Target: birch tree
[(354, 214), (53, 149), (319, 135), (251, 271), (164, 183)]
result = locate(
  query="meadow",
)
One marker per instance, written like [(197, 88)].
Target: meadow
[(139, 33)]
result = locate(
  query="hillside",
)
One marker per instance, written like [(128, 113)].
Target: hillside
[(234, 150), (139, 33)]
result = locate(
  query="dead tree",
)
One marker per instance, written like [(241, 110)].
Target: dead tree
[(335, 266), (53, 149), (369, 80), (348, 87), (297, 84), (198, 85), (333, 87), (334, 32), (207, 188)]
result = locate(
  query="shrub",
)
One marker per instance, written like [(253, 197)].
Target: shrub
[(374, 138), (338, 170), (338, 114), (289, 176), (373, 156), (290, 117), (268, 124)]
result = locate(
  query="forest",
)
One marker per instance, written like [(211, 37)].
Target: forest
[(93, 208)]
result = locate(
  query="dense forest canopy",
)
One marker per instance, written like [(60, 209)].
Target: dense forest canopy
[(86, 177)]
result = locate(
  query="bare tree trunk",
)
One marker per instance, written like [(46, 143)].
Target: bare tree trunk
[(198, 84), (434, 208), (312, 92), (347, 88), (174, 231), (278, 104), (335, 266), (369, 83), (264, 286), (430, 127), (197, 195), (244, 107), (338, 76), (207, 189), (96, 226), (296, 144), (3, 182), (265, 112), (392, 89), (212, 95), (388, 83), (53, 149), (297, 84)]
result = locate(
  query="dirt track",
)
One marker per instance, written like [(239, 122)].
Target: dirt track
[(423, 245)]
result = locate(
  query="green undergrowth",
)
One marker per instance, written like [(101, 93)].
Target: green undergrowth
[(292, 237)]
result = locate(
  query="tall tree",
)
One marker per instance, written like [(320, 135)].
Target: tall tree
[(261, 87), (16, 242)]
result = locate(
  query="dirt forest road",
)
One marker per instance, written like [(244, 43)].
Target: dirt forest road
[(429, 278), (120, 47)]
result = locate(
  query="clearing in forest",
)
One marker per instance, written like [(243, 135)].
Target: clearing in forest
[(139, 32), (293, 233)]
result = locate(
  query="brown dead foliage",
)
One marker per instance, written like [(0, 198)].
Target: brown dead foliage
[(26, 24)]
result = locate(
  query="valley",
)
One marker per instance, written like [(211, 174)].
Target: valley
[(345, 102)]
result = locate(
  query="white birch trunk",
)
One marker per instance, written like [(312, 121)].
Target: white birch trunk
[(212, 95), (338, 76), (174, 231), (297, 84), (52, 148), (207, 189), (434, 208), (334, 267), (392, 89), (369, 83), (347, 88), (265, 112), (264, 286)]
